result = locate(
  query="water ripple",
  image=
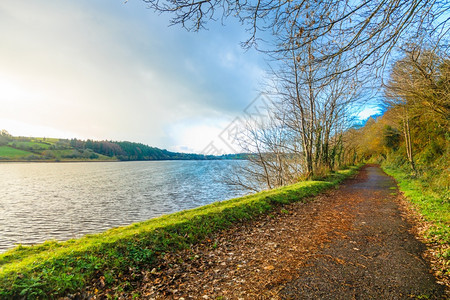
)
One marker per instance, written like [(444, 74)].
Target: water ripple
[(61, 201)]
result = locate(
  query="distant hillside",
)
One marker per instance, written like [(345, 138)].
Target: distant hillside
[(51, 149)]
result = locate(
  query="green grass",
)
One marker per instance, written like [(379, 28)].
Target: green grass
[(56, 268), (47, 140), (11, 153), (432, 205), (30, 145)]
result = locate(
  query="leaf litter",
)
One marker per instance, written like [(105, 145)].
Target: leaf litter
[(299, 251)]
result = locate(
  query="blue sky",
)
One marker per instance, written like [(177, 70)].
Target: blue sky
[(112, 70)]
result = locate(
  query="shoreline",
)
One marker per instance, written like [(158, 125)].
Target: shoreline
[(140, 244), (54, 161), (93, 161)]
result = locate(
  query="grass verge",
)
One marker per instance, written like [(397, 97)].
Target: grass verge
[(54, 269), (435, 209)]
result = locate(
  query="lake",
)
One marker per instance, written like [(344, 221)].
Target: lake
[(42, 201)]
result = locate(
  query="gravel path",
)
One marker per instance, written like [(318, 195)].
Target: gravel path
[(377, 259)]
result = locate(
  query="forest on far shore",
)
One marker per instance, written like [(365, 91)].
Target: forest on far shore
[(52, 149)]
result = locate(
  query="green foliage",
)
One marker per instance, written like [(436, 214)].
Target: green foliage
[(391, 137), (54, 268), (434, 150), (137, 151), (131, 151)]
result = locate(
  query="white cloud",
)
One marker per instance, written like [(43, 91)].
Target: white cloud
[(368, 111), (113, 71)]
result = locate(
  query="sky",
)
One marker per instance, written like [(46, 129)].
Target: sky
[(115, 70)]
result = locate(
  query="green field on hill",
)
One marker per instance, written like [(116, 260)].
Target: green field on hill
[(34, 145), (7, 152), (53, 149)]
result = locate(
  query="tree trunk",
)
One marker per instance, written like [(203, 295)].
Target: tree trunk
[(408, 144)]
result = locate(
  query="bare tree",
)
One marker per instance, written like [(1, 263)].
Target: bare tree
[(320, 47), (364, 32), (302, 134), (271, 160), (315, 99)]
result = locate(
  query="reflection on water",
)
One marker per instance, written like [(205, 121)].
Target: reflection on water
[(66, 200)]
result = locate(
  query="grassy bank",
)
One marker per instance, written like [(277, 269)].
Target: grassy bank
[(432, 202), (57, 268), (433, 206)]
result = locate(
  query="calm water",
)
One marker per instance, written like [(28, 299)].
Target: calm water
[(41, 201)]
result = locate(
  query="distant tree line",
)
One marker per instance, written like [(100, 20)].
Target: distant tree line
[(56, 149), (137, 151)]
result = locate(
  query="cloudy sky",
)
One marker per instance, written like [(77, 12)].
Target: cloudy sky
[(112, 70)]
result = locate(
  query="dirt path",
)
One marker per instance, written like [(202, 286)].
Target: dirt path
[(349, 243)]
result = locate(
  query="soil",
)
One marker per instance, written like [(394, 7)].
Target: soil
[(349, 243)]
